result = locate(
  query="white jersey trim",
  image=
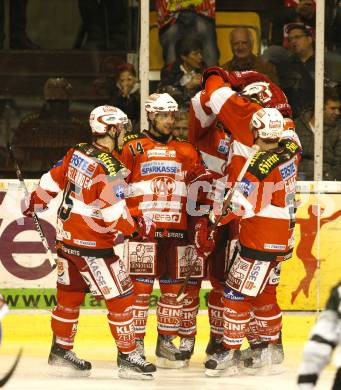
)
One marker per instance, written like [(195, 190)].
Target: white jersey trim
[(219, 98), (48, 184), (204, 119)]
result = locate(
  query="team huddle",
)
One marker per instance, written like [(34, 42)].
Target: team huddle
[(221, 205)]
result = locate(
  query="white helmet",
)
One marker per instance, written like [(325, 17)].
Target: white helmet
[(161, 102), (102, 117), (268, 122)]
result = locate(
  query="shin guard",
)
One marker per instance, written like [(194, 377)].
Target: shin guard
[(168, 314), (236, 319), (142, 290), (65, 315), (120, 318), (216, 311), (188, 323)]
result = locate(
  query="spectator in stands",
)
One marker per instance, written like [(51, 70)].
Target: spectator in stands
[(185, 73), (105, 24), (305, 127), (43, 138), (180, 128), (241, 40), (177, 19), (297, 73), (304, 12), (120, 88), (17, 15)]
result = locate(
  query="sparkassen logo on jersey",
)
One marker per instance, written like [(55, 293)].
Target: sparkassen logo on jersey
[(160, 166)]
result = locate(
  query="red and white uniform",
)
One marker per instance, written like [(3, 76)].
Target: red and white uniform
[(93, 209), (92, 212), (157, 190), (266, 205), (167, 9), (157, 186), (209, 136)]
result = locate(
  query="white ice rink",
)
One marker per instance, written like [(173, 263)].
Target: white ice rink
[(32, 371)]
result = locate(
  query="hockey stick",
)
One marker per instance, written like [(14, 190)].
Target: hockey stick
[(36, 220), (6, 378), (227, 201)]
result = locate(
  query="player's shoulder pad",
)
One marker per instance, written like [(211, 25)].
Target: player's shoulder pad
[(132, 135), (264, 162), (109, 163)]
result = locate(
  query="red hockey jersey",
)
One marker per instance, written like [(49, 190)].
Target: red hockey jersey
[(157, 184), (265, 202), (93, 209)]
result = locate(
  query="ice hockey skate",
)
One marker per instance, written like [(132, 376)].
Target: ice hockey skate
[(213, 346), (134, 366), (264, 360), (187, 348), (64, 362), (224, 360), (167, 354), (140, 347)]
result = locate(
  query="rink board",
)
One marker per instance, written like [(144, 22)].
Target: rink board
[(26, 276)]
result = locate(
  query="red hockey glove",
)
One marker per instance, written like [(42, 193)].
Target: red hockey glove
[(145, 229), (214, 70), (203, 242), (240, 79), (32, 205), (198, 172)]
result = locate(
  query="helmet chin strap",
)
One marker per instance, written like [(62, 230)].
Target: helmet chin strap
[(114, 137)]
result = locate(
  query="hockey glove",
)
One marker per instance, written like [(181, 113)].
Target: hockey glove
[(146, 229), (203, 239), (198, 172), (32, 205), (214, 70)]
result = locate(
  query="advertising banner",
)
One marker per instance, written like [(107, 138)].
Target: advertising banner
[(28, 281)]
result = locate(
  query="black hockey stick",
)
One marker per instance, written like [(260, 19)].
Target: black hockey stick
[(6, 378), (227, 201), (36, 220)]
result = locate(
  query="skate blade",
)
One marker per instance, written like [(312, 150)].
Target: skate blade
[(229, 371), (272, 369), (129, 374), (213, 373), (65, 371), (166, 363)]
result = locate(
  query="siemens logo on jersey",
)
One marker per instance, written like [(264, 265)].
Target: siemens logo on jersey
[(287, 170), (160, 166), (83, 164)]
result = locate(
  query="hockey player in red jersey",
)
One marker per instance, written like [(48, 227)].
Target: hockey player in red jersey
[(92, 212), (264, 203), (213, 138), (161, 167)]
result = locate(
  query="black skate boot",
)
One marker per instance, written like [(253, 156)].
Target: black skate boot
[(213, 346), (187, 348), (222, 360), (167, 354), (133, 366), (64, 362)]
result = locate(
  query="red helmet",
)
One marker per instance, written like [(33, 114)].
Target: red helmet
[(268, 95)]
